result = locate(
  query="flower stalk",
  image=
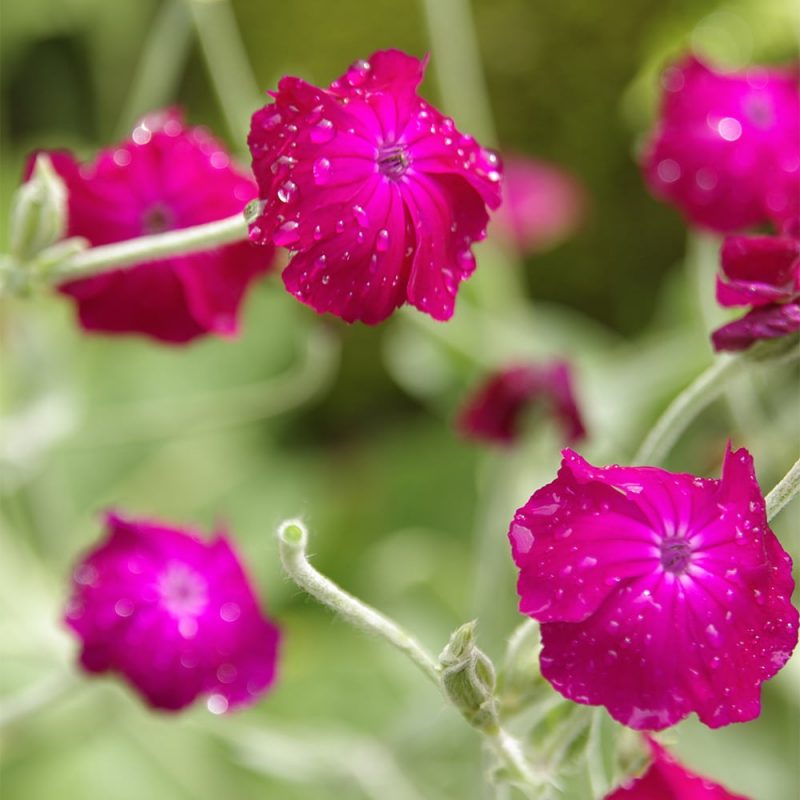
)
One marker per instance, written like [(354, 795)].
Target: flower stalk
[(292, 543), (149, 248), (706, 388), (784, 491), (470, 670)]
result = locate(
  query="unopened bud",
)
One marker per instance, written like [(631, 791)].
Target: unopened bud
[(38, 212), (468, 678)]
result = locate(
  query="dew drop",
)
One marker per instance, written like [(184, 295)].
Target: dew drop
[(466, 261), (123, 608), (322, 132), (287, 234), (85, 574), (317, 233), (287, 191), (382, 241), (522, 537), (226, 673), (217, 704), (729, 129), (668, 170), (361, 216), (321, 171), (230, 612)]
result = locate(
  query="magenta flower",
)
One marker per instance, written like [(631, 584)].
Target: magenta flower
[(495, 411), (667, 779), (764, 273), (166, 176), (659, 593), (542, 204), (726, 149), (375, 192), (174, 615)]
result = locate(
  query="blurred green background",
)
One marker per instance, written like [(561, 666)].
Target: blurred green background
[(352, 428)]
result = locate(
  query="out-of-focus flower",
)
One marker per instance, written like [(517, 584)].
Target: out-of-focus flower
[(659, 593), (668, 779), (377, 194), (762, 272), (174, 615), (726, 149), (542, 204), (165, 177), (495, 411)]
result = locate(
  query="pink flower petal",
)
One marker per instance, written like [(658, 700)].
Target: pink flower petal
[(659, 594), (375, 193), (174, 615), (165, 177)]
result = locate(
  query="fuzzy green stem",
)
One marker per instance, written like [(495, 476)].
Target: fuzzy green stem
[(784, 491), (292, 543), (706, 388), (148, 248), (508, 749)]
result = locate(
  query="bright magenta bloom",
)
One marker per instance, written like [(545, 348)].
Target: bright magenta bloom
[(667, 779), (375, 191), (542, 204), (166, 176), (174, 615), (762, 272), (726, 149), (496, 411), (659, 593)]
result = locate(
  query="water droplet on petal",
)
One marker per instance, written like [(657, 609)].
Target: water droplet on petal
[(230, 612), (217, 704), (287, 234), (729, 129), (123, 607), (287, 191), (317, 233), (322, 132), (382, 241), (668, 170), (358, 72), (322, 171), (466, 261), (361, 216)]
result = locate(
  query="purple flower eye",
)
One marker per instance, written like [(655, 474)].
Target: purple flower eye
[(165, 177), (174, 615), (376, 193), (726, 148), (659, 593)]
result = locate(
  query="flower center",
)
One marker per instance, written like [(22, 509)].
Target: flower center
[(157, 219), (393, 160), (183, 590), (676, 553)]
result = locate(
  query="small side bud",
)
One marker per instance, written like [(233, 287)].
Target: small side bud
[(468, 678), (38, 212)]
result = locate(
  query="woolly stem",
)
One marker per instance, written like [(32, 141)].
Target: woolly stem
[(706, 388), (784, 491), (119, 255), (292, 543)]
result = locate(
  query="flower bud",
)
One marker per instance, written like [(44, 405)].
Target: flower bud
[(38, 211), (468, 678)]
